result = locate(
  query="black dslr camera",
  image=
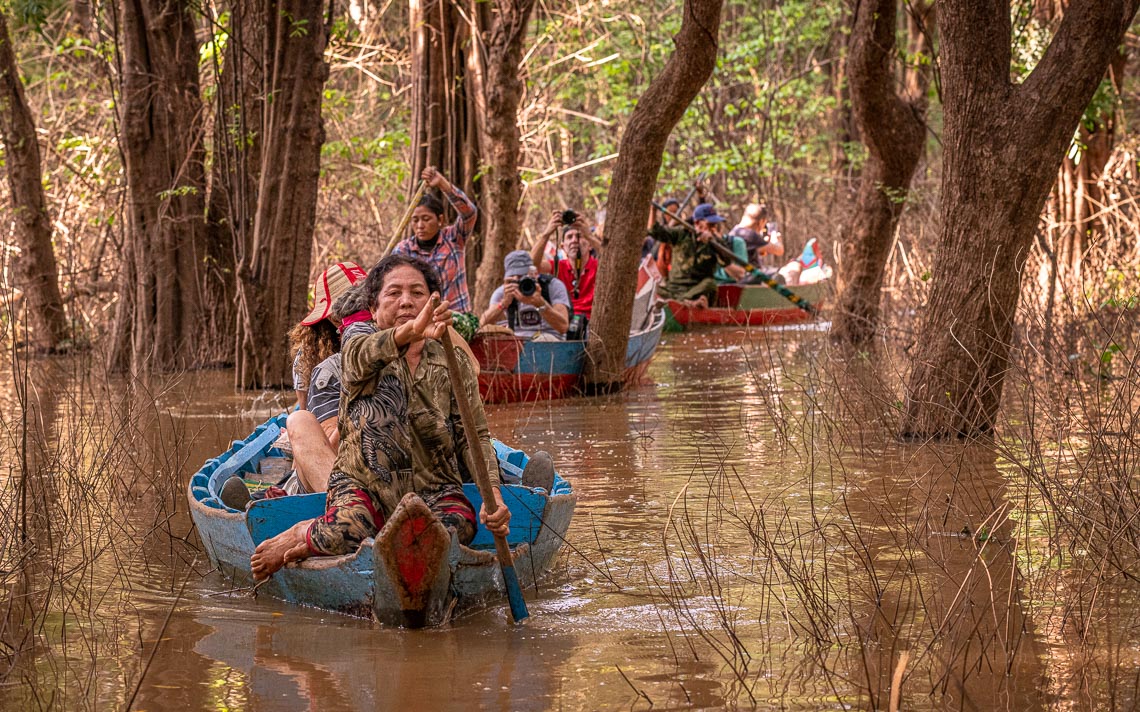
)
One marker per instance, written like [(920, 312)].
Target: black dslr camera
[(528, 286), (568, 217)]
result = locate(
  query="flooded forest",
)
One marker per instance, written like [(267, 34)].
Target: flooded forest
[(827, 314)]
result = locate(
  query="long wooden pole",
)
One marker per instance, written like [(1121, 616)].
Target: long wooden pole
[(750, 268), (396, 236), (482, 480)]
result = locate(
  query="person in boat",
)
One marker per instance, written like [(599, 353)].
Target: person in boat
[(399, 425), (531, 305), (574, 262), (443, 247), (732, 272), (761, 236), (662, 253), (808, 268), (317, 336), (692, 273)]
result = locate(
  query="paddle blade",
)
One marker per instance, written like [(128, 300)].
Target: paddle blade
[(514, 594)]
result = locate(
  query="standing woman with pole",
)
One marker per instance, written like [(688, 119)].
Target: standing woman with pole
[(443, 247)]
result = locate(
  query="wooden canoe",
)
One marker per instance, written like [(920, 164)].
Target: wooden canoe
[(751, 305), (515, 370), (414, 573)]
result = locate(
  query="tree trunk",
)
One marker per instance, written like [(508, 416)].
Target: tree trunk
[(35, 267), (158, 321), (1003, 146), (445, 94), (894, 131), (503, 90), (237, 133), (275, 255), (634, 181)]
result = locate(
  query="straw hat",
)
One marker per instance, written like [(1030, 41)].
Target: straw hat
[(332, 283)]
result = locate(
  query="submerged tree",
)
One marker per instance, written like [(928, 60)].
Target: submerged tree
[(275, 252), (1003, 145), (159, 316), (634, 181), (502, 91), (893, 128), (36, 266)]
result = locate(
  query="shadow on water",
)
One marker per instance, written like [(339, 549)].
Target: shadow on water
[(748, 533)]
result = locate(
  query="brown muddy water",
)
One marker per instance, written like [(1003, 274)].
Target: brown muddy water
[(747, 535)]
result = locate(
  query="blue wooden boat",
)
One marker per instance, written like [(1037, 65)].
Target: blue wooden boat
[(515, 370), (375, 580)]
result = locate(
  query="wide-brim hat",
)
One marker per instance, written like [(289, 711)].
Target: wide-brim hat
[(332, 283)]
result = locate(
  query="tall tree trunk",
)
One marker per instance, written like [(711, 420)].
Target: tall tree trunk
[(35, 268), (503, 90), (1003, 145), (275, 255), (634, 181), (445, 95), (237, 134), (893, 129), (158, 322)]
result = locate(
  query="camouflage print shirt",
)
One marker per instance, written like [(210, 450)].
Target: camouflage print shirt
[(692, 261), (399, 431)]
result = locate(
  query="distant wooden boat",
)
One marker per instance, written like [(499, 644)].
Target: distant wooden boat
[(414, 573), (516, 370), (751, 305)]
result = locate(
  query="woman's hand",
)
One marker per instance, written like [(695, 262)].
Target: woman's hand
[(435, 179), (430, 323), (499, 522)]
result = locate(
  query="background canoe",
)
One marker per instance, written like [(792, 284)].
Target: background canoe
[(514, 370), (352, 584), (751, 305)]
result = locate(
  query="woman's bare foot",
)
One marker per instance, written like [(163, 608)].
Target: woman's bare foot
[(288, 546), (700, 302)]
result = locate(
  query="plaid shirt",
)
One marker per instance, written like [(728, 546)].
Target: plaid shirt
[(448, 256)]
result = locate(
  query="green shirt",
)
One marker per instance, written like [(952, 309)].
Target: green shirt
[(399, 431), (692, 261)]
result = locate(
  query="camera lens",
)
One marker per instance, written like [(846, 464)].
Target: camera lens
[(527, 286), (568, 217)]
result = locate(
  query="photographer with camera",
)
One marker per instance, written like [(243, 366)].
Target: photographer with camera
[(533, 306), (572, 263)]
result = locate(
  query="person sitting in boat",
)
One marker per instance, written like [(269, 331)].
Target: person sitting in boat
[(317, 336), (732, 272), (573, 262), (400, 426), (693, 265), (531, 305), (761, 236), (808, 268), (443, 247)]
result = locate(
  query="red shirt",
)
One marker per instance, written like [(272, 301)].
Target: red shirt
[(584, 301)]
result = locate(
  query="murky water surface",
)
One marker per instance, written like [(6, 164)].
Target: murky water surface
[(746, 535)]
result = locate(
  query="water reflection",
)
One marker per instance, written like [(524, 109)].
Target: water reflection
[(747, 534)]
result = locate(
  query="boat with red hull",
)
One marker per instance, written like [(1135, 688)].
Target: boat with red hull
[(514, 370), (751, 305)]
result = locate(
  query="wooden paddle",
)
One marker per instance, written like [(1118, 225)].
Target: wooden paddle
[(482, 481), (398, 235), (748, 267)]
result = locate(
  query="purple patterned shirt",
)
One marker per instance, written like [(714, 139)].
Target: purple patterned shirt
[(448, 256)]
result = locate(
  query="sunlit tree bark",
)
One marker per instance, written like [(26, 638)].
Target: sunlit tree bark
[(892, 127), (634, 181), (275, 252), (36, 267), (1003, 145), (159, 316), (502, 91)]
